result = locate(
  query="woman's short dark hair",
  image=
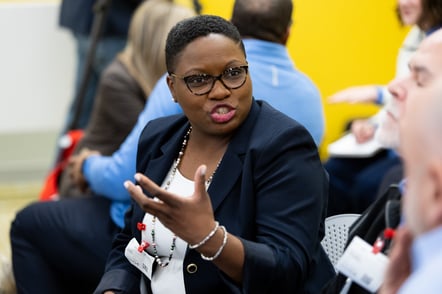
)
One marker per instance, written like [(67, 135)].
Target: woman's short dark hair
[(431, 14), (188, 30)]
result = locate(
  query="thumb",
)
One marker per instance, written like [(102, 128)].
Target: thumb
[(200, 180)]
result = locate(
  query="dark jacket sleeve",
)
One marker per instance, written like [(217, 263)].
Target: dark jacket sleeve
[(291, 196)]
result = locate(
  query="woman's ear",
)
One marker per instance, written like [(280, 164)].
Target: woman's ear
[(171, 86)]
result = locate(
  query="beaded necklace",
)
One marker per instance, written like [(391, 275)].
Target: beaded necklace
[(166, 187)]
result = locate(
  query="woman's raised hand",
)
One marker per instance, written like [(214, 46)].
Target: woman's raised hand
[(190, 218)]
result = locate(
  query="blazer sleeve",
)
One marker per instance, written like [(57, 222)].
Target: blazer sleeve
[(290, 187)]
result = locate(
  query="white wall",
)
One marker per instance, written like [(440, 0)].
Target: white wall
[(37, 69)]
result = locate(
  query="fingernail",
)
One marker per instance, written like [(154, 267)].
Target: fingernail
[(126, 184), (203, 170), (137, 177)]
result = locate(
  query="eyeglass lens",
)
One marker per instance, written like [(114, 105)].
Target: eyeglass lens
[(231, 78)]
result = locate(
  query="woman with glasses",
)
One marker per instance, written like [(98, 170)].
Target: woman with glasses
[(230, 196)]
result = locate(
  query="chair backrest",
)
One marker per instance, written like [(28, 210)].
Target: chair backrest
[(336, 233)]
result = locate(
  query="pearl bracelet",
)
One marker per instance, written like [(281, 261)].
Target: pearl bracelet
[(210, 235), (210, 258)]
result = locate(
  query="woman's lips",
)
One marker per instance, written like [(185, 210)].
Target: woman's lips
[(222, 113)]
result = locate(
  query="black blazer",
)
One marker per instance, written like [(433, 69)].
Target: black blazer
[(270, 190)]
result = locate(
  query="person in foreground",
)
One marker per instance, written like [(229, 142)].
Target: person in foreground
[(264, 27), (231, 196), (416, 257)]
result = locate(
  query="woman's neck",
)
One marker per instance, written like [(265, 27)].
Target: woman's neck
[(207, 150)]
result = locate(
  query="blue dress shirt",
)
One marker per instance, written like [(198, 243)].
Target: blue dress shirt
[(426, 265), (274, 79)]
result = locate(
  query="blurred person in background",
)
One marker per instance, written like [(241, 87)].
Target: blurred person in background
[(61, 246), (126, 84), (78, 16), (354, 182)]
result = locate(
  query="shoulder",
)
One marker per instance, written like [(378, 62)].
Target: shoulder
[(274, 117), (115, 69), (116, 75), (163, 128), (272, 125), (305, 86)]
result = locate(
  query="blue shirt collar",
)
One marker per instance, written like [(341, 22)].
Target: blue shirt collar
[(425, 247)]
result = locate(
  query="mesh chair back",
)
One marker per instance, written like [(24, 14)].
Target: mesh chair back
[(336, 233)]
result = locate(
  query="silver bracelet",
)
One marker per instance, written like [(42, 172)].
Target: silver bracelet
[(220, 248), (210, 235)]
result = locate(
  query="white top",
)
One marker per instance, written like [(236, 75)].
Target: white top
[(162, 276)]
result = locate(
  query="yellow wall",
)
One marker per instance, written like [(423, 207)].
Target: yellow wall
[(339, 43)]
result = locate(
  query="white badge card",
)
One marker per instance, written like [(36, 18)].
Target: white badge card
[(362, 266), (141, 260)]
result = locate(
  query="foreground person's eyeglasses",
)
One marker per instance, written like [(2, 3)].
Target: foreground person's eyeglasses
[(201, 84)]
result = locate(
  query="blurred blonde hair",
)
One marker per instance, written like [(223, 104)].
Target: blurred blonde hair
[(144, 54)]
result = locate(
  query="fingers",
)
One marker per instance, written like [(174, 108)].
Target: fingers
[(154, 190), (401, 243), (200, 180), (363, 130), (166, 199), (337, 98), (344, 96), (357, 94), (149, 205)]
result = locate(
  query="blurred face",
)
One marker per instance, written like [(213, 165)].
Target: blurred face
[(410, 11), (423, 88), (387, 134), (222, 110)]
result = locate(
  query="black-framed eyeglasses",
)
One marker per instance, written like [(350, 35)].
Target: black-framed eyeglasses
[(201, 84)]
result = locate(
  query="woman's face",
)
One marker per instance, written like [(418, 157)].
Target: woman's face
[(410, 11), (221, 111)]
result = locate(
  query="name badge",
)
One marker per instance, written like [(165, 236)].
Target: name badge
[(141, 260), (362, 266)]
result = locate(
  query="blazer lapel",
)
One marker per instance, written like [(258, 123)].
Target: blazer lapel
[(158, 167), (230, 169)]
